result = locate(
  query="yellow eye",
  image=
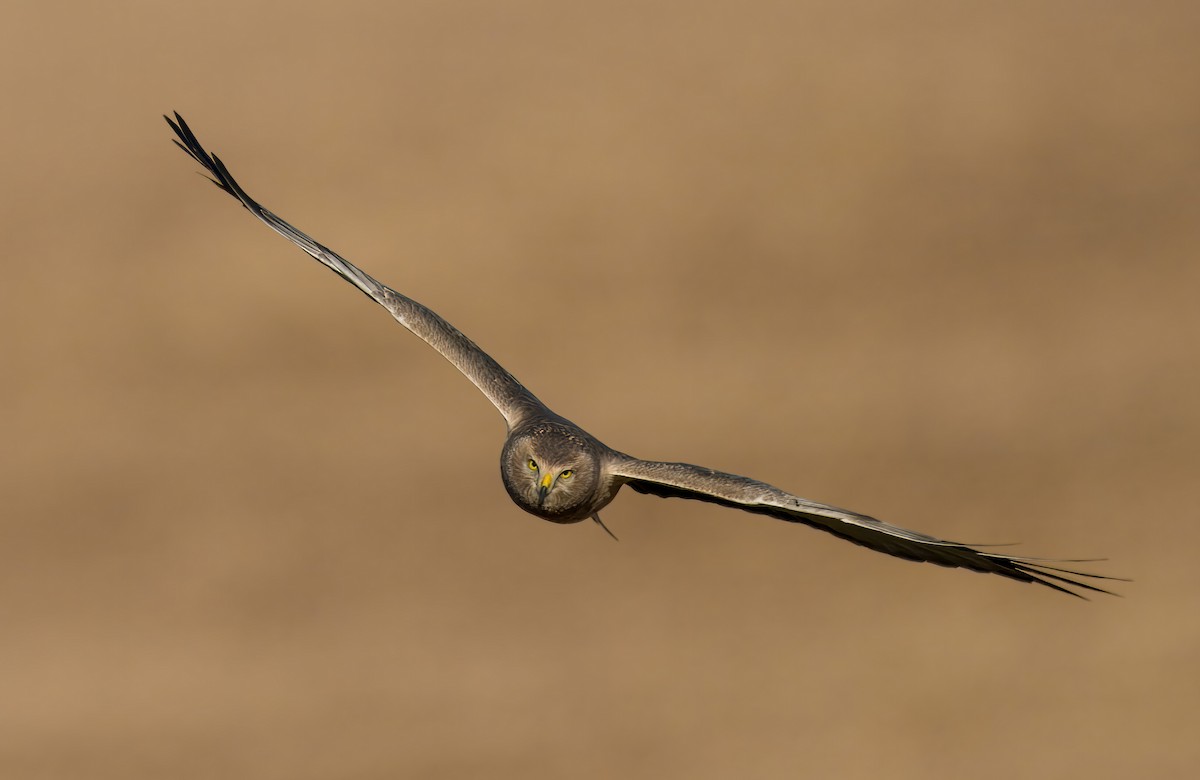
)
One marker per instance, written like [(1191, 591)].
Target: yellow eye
[(532, 466), (566, 474)]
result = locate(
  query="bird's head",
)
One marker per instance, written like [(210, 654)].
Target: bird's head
[(551, 473)]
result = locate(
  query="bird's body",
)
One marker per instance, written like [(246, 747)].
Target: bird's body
[(557, 471)]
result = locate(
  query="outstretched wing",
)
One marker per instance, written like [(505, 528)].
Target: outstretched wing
[(682, 480), (500, 387)]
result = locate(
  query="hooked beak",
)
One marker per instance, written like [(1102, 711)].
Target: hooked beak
[(544, 488)]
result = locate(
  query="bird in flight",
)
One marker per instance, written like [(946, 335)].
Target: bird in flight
[(559, 472)]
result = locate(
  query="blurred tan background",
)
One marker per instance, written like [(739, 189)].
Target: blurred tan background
[(933, 261)]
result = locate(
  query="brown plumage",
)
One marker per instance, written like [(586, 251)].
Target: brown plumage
[(557, 471)]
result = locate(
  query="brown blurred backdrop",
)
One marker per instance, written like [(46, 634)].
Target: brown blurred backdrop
[(934, 261)]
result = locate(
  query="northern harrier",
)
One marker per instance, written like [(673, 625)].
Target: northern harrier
[(559, 472)]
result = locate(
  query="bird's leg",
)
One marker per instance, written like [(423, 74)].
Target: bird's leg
[(600, 523)]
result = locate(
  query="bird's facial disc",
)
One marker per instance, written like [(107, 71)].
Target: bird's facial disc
[(551, 477), (550, 485)]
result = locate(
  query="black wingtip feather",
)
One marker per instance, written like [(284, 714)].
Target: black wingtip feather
[(218, 173), (186, 140), (1042, 576)]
